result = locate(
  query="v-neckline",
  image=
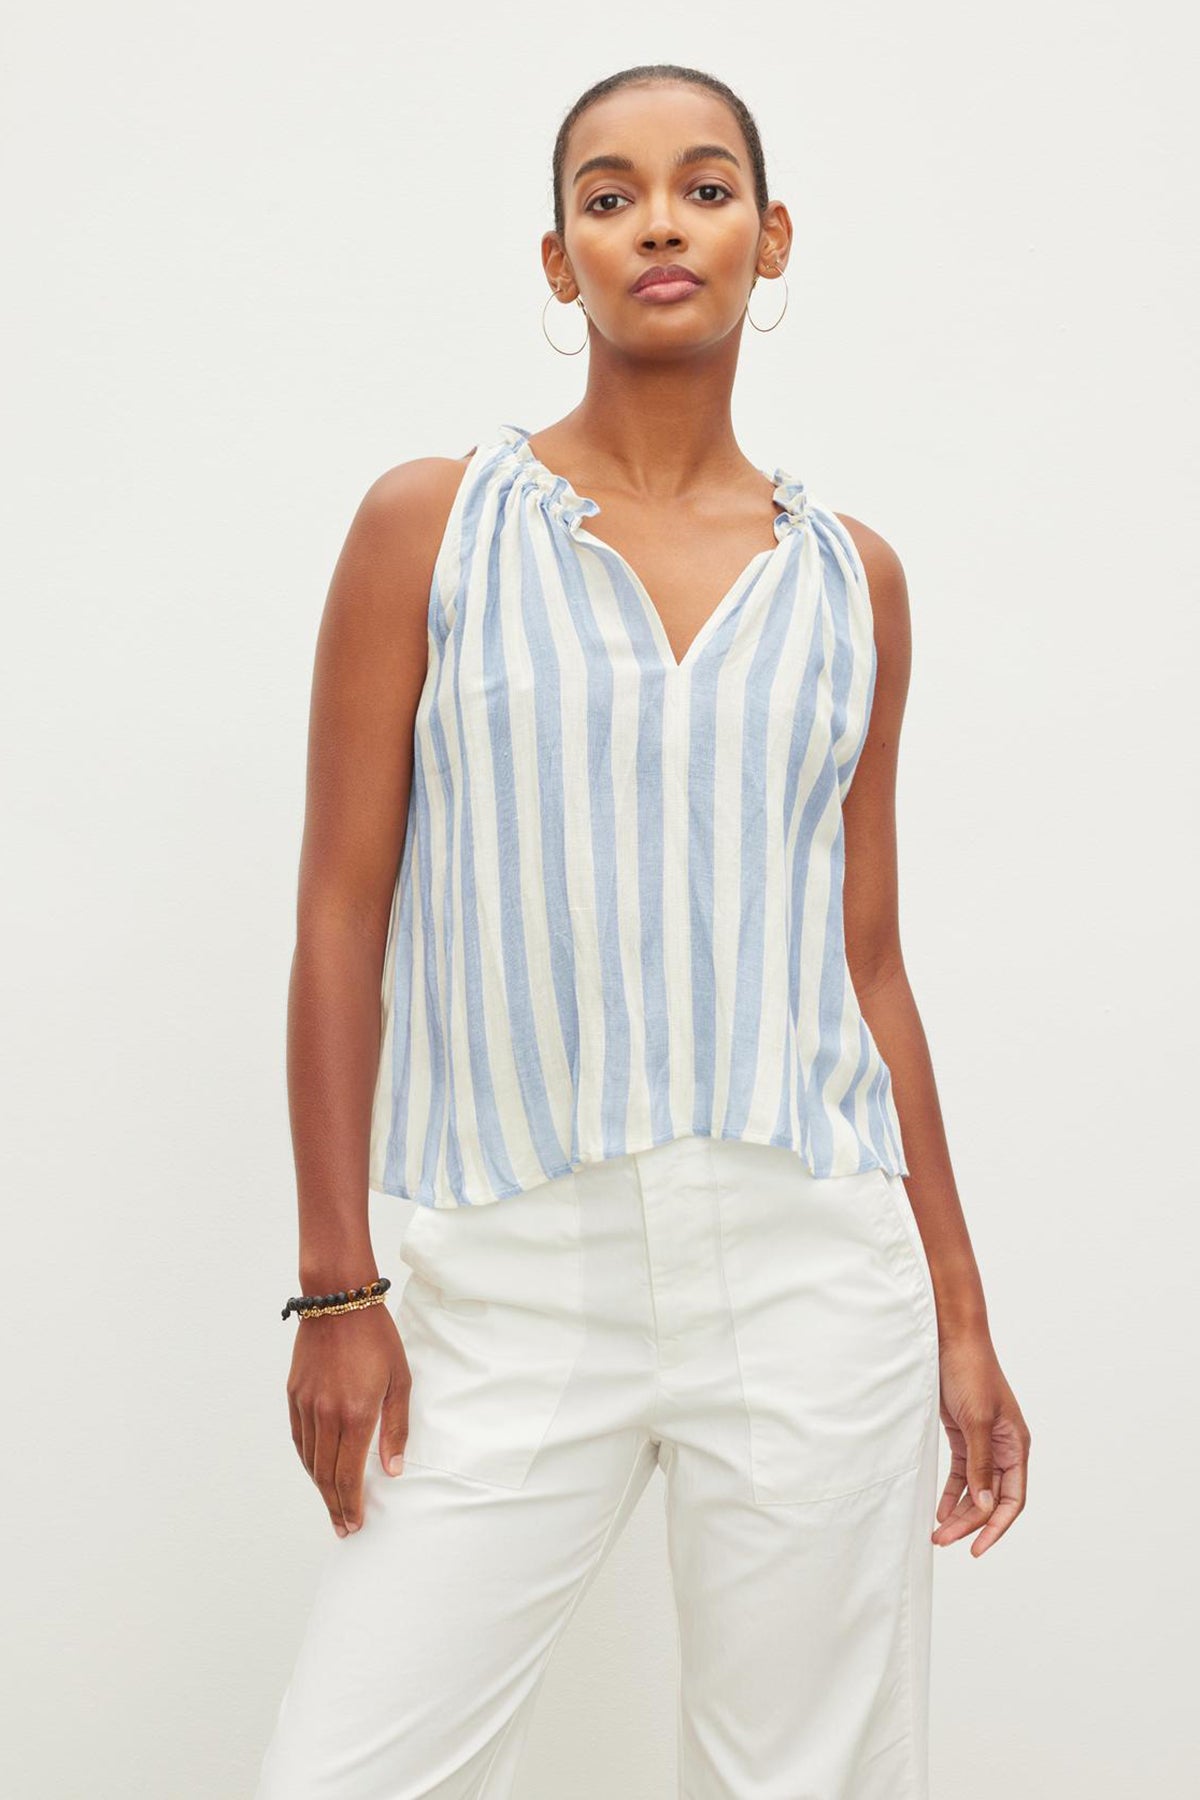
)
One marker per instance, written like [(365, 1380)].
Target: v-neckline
[(572, 508)]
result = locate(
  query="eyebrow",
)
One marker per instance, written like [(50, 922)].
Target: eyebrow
[(682, 160)]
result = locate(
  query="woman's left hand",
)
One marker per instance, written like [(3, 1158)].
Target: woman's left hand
[(989, 1442)]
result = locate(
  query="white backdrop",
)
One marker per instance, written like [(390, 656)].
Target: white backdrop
[(261, 254)]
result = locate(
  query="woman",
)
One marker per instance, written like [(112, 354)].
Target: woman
[(603, 766)]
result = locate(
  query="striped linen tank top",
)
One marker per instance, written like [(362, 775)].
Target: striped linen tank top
[(618, 912)]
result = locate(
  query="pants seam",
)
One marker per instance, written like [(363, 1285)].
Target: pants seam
[(917, 1738), (637, 1171), (718, 1189)]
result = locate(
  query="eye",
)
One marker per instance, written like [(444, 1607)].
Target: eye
[(715, 187), (592, 202)]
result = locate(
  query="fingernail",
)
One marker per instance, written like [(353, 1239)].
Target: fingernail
[(341, 1530), (985, 1499), (396, 1464)]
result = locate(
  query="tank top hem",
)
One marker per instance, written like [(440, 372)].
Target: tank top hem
[(439, 1195)]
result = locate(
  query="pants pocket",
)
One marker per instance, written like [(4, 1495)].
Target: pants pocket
[(492, 1326), (834, 1327), (902, 1240)]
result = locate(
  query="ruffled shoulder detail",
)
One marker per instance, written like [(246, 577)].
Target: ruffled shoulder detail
[(555, 491), (791, 496), (564, 503)]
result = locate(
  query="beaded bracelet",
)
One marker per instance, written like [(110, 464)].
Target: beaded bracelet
[(311, 1306)]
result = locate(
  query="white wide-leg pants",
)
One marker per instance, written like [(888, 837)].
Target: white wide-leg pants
[(765, 1337)]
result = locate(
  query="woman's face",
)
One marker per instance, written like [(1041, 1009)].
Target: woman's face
[(631, 205)]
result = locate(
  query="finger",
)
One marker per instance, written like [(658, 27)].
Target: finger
[(1003, 1514), (956, 1475), (976, 1470), (1009, 1506), (956, 1481), (348, 1478), (951, 1494), (981, 1473), (325, 1455), (393, 1426), (965, 1517), (308, 1436)]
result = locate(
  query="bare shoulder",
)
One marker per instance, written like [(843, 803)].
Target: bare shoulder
[(885, 571), (386, 563), (422, 480), (886, 585), (408, 505)]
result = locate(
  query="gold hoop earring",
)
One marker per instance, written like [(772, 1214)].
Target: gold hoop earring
[(765, 328), (546, 334)]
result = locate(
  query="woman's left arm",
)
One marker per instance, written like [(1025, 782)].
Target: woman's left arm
[(989, 1438)]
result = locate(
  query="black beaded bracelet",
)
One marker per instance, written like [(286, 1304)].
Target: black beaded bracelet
[(348, 1300)]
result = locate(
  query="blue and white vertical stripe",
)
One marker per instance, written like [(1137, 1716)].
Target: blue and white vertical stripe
[(618, 915)]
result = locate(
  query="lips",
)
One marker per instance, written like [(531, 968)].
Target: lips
[(672, 272)]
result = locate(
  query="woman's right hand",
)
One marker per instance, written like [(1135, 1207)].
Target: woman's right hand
[(347, 1370)]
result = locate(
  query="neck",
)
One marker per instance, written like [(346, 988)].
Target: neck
[(649, 438)]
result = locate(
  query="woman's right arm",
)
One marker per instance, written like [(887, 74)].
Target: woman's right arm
[(370, 667)]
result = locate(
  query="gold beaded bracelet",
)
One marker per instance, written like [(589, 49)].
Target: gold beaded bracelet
[(311, 1306)]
